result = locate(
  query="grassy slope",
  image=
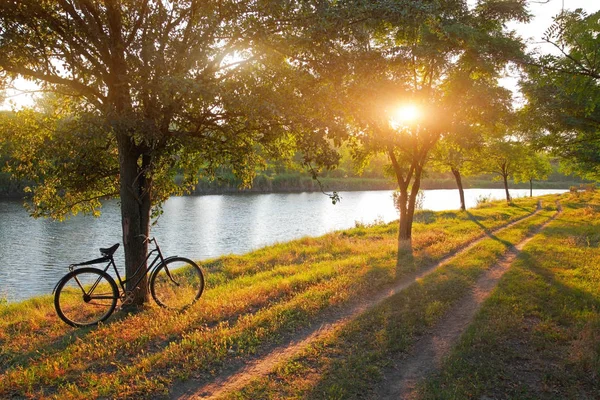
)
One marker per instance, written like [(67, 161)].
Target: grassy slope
[(252, 301), (540, 330)]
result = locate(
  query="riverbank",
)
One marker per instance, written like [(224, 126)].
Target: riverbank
[(274, 296)]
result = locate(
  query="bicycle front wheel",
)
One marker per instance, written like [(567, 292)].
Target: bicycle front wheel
[(177, 284), (85, 297)]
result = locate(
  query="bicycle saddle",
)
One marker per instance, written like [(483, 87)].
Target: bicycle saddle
[(109, 251)]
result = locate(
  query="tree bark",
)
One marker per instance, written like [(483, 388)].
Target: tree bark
[(412, 201), (461, 191), (406, 201), (405, 221), (404, 224), (531, 188), (135, 216), (505, 178), (407, 212)]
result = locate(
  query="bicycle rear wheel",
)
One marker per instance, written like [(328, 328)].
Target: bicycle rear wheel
[(177, 284), (85, 297)]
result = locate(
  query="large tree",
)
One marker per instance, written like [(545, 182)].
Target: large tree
[(428, 55), (563, 92), (145, 89)]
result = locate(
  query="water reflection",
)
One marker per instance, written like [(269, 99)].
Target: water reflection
[(36, 253)]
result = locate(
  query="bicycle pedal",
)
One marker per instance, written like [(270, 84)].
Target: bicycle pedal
[(127, 298)]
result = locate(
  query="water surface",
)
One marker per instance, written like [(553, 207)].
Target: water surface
[(36, 253)]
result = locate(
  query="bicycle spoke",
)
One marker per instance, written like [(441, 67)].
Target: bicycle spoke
[(178, 284), (76, 301)]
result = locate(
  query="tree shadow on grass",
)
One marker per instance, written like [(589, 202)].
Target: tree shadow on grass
[(518, 207), (543, 344), (354, 363), (489, 232), (46, 348), (425, 217), (357, 364)]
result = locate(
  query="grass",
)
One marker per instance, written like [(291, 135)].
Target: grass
[(252, 302), (350, 362), (540, 330)]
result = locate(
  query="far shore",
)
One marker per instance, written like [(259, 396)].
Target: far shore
[(349, 184)]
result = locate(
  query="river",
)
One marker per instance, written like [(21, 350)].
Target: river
[(36, 253)]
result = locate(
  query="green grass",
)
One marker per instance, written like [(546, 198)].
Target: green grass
[(251, 302), (540, 330), (350, 362)]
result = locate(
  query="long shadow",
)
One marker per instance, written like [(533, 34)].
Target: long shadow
[(513, 205), (549, 301), (407, 261), (19, 359), (376, 273), (388, 330), (490, 232), (339, 377)]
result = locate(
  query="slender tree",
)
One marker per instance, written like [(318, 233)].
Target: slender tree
[(503, 157), (485, 109), (448, 156), (535, 166)]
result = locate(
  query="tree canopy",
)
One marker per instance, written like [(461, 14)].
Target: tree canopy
[(442, 58), (563, 93), (145, 88)]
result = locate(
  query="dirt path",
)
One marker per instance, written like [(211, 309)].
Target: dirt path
[(427, 354), (238, 375)]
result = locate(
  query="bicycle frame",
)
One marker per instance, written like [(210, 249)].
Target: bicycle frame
[(156, 262), (153, 265)]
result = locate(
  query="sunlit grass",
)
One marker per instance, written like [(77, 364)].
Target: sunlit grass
[(251, 301), (540, 330), (349, 362)]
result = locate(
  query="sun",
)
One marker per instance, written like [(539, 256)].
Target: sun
[(406, 114)]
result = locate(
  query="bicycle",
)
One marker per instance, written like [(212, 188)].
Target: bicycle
[(86, 296)]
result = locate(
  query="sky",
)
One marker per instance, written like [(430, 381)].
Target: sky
[(542, 11)]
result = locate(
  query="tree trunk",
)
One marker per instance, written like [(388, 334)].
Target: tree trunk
[(135, 215), (414, 192), (134, 184), (461, 191), (407, 211), (531, 188), (505, 178)]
